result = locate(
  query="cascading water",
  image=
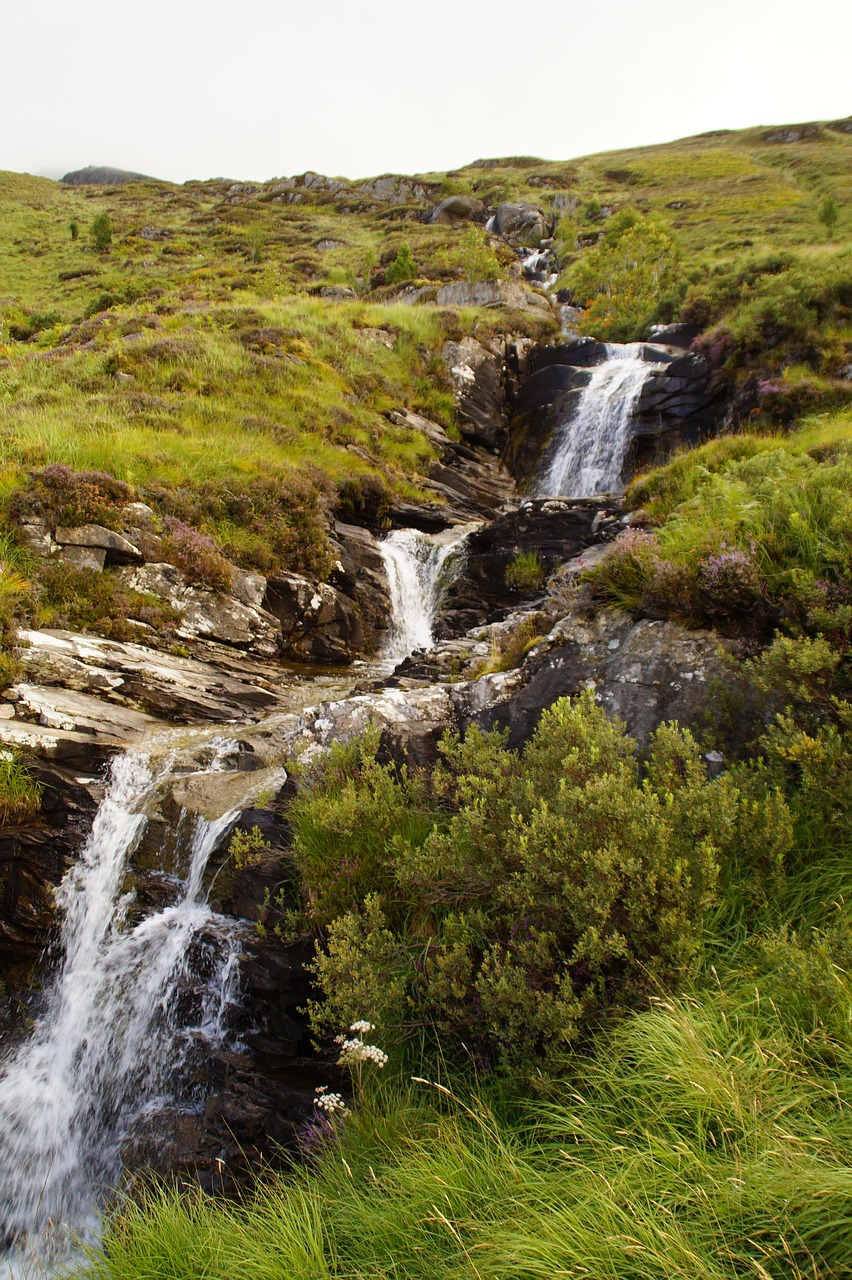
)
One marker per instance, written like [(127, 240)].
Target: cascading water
[(110, 1035), (419, 568), (587, 454)]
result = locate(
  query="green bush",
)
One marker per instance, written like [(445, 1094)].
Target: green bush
[(403, 266), (621, 281), (542, 887), (100, 232)]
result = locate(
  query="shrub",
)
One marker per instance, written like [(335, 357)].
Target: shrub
[(621, 280), (196, 555), (86, 600), (100, 232), (59, 495), (544, 886), (403, 266)]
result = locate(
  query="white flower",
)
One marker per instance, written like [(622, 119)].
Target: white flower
[(362, 1027), (330, 1103)]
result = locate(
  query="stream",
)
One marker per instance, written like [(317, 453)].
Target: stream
[(117, 1029)]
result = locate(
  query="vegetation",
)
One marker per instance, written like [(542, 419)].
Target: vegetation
[(20, 791), (703, 1133), (627, 974)]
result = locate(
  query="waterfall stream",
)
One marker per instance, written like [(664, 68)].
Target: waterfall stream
[(589, 447), (419, 567), (110, 1035), (116, 1027)]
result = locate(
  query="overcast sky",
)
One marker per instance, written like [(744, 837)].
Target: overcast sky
[(184, 89)]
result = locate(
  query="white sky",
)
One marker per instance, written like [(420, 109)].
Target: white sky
[(185, 88)]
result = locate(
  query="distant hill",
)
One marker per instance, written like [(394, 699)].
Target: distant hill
[(103, 175)]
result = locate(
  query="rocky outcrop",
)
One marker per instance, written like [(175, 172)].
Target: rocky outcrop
[(491, 293), (234, 618), (681, 403), (643, 671), (552, 529), (476, 373), (84, 696)]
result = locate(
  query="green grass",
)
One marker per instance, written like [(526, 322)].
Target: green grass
[(20, 791), (708, 1137)]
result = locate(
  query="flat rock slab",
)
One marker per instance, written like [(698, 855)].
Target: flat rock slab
[(163, 686)]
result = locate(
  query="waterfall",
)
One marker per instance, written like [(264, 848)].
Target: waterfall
[(419, 568), (110, 1034), (587, 454)]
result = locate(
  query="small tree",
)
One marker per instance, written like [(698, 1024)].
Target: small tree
[(101, 232), (828, 215), (74, 228), (403, 266)]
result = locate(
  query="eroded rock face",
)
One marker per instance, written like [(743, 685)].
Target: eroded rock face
[(643, 671), (211, 615), (476, 375)]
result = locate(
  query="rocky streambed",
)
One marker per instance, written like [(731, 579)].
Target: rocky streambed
[(151, 760)]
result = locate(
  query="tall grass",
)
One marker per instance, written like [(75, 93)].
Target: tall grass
[(708, 1137)]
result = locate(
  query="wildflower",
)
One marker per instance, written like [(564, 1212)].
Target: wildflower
[(330, 1103)]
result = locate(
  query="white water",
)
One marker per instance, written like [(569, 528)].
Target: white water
[(419, 568), (588, 451), (109, 1036)]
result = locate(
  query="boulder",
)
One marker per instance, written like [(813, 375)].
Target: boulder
[(521, 224), (317, 622), (457, 209)]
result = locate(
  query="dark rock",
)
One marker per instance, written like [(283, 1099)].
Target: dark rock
[(580, 354), (557, 529), (644, 672), (318, 623), (841, 126), (674, 335)]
